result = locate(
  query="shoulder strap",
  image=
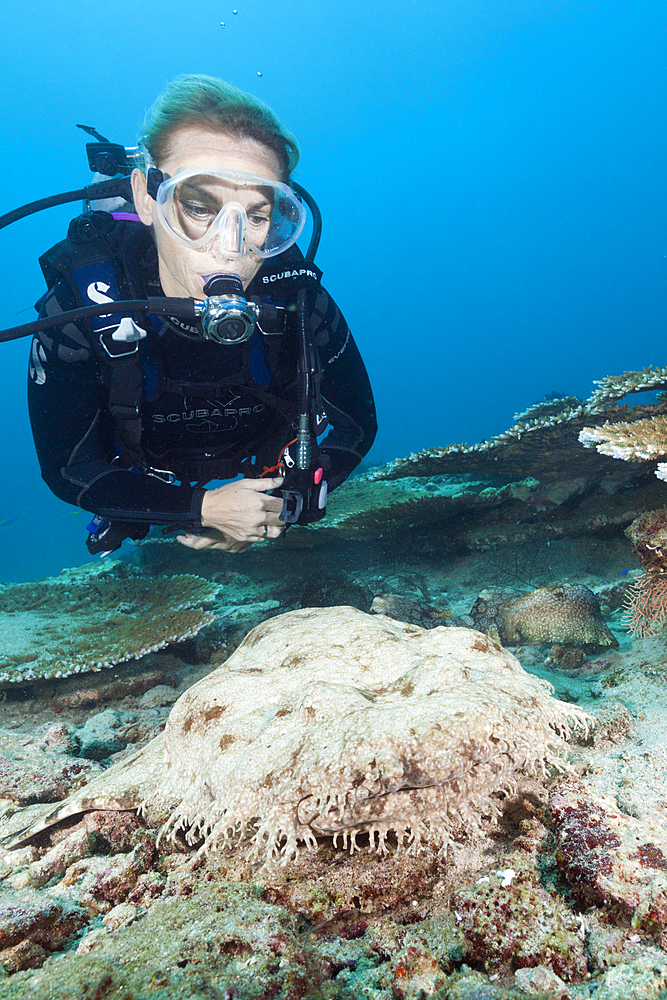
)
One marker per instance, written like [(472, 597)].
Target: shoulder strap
[(98, 261)]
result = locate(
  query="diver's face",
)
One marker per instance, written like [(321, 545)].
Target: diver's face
[(183, 269)]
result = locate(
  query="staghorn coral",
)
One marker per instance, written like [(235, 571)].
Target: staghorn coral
[(332, 722), (83, 622)]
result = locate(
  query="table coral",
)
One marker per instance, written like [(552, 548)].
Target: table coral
[(543, 441), (534, 480), (332, 722), (61, 626)]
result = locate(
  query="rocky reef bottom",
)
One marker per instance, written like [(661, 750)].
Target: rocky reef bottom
[(563, 895)]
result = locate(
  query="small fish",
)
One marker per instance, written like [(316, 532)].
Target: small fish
[(7, 521)]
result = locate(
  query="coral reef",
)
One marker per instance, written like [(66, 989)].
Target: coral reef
[(170, 922), (334, 722), (61, 626)]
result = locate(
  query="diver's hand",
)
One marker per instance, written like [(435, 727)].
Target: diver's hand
[(242, 510), (212, 539)]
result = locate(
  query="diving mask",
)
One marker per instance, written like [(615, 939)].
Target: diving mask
[(230, 211)]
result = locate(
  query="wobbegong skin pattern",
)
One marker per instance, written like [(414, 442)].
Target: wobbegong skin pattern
[(332, 722)]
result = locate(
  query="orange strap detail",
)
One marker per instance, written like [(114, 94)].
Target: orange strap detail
[(278, 466)]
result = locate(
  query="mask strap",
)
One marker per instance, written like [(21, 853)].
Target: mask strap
[(154, 177)]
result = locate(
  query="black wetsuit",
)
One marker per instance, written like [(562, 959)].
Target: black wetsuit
[(185, 432)]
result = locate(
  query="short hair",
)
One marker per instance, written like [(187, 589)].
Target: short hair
[(216, 106)]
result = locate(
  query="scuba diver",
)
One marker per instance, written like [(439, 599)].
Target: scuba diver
[(134, 410)]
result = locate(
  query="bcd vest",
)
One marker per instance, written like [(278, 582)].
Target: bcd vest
[(105, 260)]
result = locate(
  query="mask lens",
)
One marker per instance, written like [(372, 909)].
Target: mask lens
[(193, 208), (243, 211)]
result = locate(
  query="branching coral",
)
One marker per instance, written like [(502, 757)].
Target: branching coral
[(615, 387), (641, 441), (69, 625), (646, 604), (646, 600)]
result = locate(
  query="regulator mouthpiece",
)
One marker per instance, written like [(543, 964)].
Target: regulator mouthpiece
[(227, 317)]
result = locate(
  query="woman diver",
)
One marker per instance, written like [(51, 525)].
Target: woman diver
[(133, 415)]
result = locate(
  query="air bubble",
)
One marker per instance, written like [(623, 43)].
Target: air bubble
[(222, 24), (259, 74)]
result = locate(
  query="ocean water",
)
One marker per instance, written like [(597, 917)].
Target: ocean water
[(490, 174)]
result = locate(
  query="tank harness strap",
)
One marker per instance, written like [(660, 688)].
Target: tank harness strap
[(124, 405)]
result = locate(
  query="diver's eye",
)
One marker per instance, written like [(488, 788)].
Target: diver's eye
[(258, 221), (200, 213)]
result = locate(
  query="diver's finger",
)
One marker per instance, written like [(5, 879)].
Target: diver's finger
[(261, 485)]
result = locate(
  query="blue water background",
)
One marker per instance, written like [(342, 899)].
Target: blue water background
[(491, 175)]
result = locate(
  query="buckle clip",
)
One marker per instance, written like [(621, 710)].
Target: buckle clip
[(127, 332)]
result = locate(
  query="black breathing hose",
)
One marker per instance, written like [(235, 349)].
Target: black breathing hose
[(118, 188), (317, 221), (154, 306)]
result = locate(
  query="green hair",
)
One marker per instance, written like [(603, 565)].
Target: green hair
[(216, 106)]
